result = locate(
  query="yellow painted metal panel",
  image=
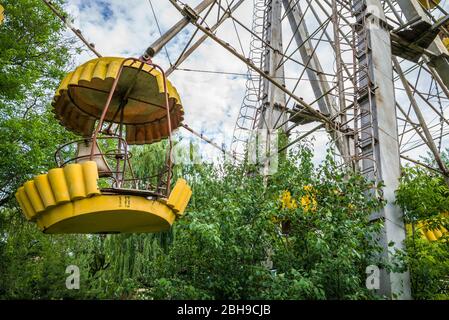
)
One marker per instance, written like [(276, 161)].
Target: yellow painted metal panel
[(90, 173), (45, 191), (89, 82), (19, 201), (75, 76), (58, 184), (430, 236), (438, 234), (173, 200), (1, 14), (100, 70), (25, 203), (74, 176), (408, 228), (179, 197), (107, 214), (65, 82), (33, 195), (113, 69)]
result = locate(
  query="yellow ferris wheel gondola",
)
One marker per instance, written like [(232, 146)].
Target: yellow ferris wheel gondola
[(426, 231), (2, 10), (138, 100), (111, 102)]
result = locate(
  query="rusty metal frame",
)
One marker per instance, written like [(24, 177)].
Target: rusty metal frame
[(125, 156)]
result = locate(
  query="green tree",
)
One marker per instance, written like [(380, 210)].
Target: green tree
[(424, 197), (34, 55), (232, 223), (33, 264)]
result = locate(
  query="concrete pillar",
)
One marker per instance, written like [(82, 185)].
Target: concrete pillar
[(378, 103), (273, 98)]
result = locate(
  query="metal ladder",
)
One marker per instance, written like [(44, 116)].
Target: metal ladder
[(249, 110), (365, 132), (345, 68)]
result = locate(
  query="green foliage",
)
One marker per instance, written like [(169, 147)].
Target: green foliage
[(222, 242), (33, 264), (424, 197), (33, 58), (429, 267), (422, 194), (33, 54)]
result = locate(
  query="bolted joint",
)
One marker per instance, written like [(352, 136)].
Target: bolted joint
[(146, 57), (189, 13)]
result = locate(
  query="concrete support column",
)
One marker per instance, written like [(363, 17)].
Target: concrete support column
[(377, 100), (273, 98)]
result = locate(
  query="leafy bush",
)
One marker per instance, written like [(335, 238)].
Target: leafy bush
[(232, 225), (424, 197)]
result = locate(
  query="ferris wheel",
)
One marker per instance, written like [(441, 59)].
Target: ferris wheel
[(372, 75)]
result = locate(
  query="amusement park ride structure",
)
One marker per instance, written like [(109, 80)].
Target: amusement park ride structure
[(376, 73)]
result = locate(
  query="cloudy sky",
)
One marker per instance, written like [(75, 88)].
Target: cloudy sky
[(127, 28), (211, 101)]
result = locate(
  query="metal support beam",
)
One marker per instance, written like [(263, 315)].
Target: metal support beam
[(156, 46), (226, 46), (77, 32), (203, 38), (412, 9), (422, 122), (378, 100), (315, 72)]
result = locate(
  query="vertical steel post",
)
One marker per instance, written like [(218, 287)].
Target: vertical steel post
[(273, 99)]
